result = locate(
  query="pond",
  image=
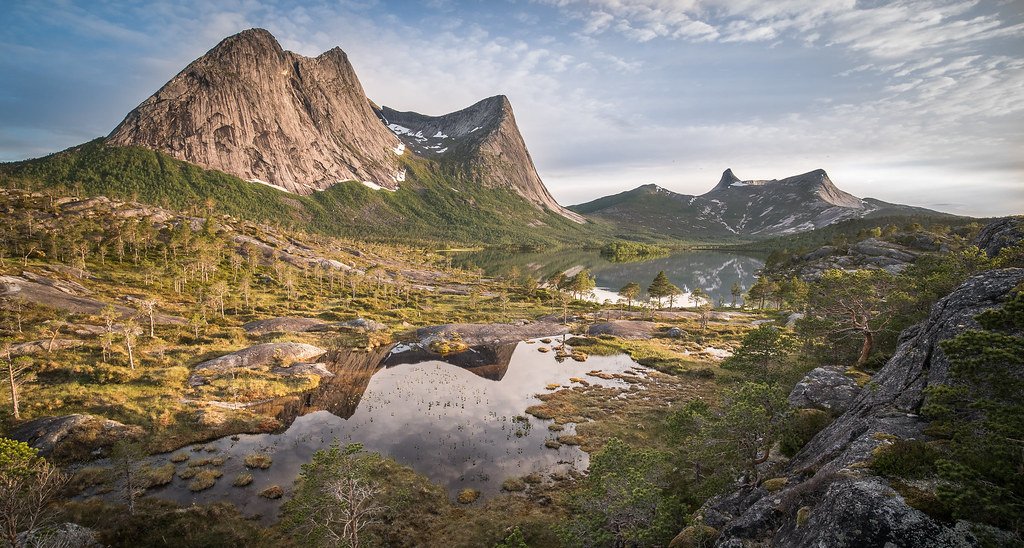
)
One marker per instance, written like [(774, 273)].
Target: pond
[(460, 422), (713, 271)]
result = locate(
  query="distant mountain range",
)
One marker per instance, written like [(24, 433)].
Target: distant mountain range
[(273, 135), (736, 209)]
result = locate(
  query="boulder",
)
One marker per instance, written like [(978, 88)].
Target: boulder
[(825, 388), (363, 325), (260, 355), (626, 329), (284, 325), (999, 234), (475, 334), (74, 436), (868, 512)]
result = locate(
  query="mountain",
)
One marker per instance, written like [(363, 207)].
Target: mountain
[(250, 112), (737, 209), (249, 108), (481, 142)]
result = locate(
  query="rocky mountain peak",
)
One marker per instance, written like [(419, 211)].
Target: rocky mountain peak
[(482, 140), (727, 180), (254, 110)]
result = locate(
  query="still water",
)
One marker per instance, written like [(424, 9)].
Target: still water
[(454, 422), (713, 271)]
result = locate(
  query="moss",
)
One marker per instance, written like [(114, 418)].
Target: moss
[(803, 515), (258, 460), (569, 440), (552, 444), (774, 484), (242, 479), (924, 500), (695, 536), (90, 476), (540, 412), (158, 476), (467, 496), (513, 485), (204, 480)]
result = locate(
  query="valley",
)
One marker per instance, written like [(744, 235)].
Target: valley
[(266, 310)]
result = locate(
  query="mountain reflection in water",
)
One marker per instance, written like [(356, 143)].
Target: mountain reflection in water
[(450, 418)]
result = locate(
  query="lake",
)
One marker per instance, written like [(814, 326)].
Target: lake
[(713, 271), (462, 424)]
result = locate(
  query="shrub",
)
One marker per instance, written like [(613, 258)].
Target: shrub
[(800, 427), (905, 459)]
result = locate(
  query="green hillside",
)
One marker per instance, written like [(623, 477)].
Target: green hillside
[(428, 208)]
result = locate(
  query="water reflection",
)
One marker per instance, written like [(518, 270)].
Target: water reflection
[(450, 420), (713, 271)]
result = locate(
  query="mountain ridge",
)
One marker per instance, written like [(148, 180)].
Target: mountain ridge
[(736, 208)]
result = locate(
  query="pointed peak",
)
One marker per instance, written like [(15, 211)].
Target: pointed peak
[(728, 179)]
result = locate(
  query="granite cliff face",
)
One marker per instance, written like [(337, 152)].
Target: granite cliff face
[(738, 208), (481, 142), (830, 497), (249, 108)]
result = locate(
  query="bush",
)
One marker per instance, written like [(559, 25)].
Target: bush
[(800, 427), (905, 459)]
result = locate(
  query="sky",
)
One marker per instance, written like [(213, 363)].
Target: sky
[(909, 101)]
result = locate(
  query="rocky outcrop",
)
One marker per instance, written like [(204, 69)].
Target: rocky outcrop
[(54, 295), (830, 495), (999, 234), (481, 141), (44, 346), (249, 108), (260, 355), (74, 436), (259, 328), (825, 388), (627, 329)]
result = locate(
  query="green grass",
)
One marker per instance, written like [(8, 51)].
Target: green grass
[(430, 206)]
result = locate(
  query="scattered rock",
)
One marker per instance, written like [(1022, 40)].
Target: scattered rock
[(74, 436), (675, 333), (825, 388)]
